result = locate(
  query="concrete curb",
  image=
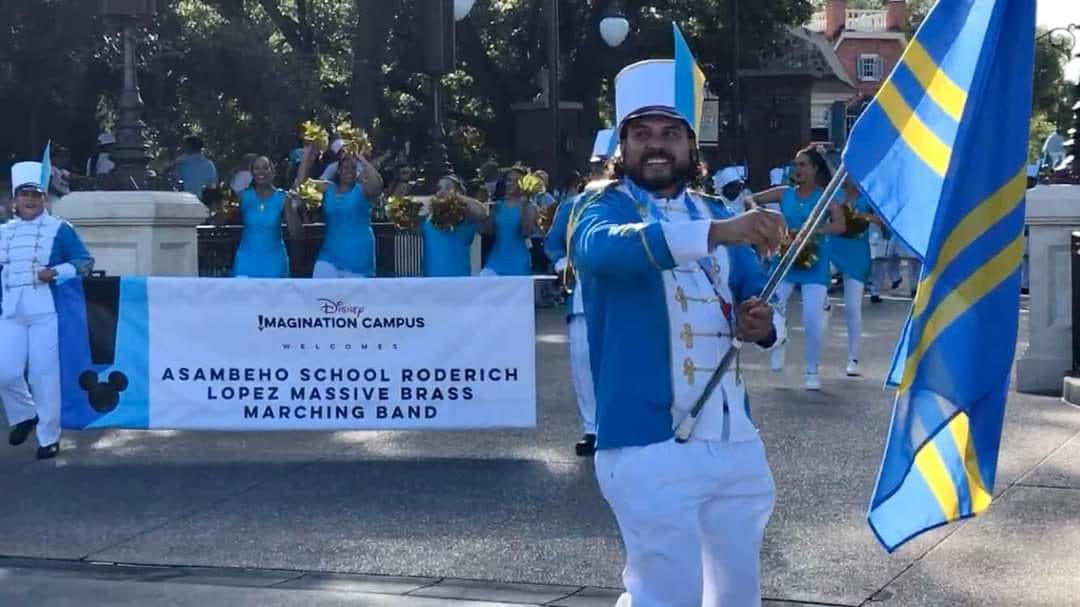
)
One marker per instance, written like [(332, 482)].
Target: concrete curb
[(408, 588)]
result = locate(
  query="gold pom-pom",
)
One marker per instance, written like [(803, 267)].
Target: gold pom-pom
[(403, 211), (447, 212), (531, 185), (546, 216), (806, 258), (315, 135), (855, 223), (309, 193), (355, 139)]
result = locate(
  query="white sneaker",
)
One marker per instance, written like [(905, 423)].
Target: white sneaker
[(776, 361), (853, 368), (813, 382)]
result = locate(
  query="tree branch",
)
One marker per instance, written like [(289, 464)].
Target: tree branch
[(289, 28)]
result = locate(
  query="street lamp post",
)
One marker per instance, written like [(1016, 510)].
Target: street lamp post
[(438, 60), (130, 152), (553, 91)]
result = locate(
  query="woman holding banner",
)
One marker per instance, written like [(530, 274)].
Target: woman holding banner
[(450, 229), (512, 220), (262, 253), (36, 251), (348, 249), (812, 173)]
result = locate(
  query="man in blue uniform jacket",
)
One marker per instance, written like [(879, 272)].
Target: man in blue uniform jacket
[(668, 276)]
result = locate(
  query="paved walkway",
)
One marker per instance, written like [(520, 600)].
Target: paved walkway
[(289, 518)]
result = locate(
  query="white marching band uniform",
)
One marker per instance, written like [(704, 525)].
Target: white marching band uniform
[(28, 323), (660, 309), (556, 246), (728, 175)]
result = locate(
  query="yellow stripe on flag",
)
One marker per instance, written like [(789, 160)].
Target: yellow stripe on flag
[(978, 221), (932, 467), (960, 428), (922, 141), (960, 300), (699, 98), (946, 93), (939, 479)]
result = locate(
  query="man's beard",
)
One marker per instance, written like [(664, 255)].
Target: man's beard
[(680, 175)]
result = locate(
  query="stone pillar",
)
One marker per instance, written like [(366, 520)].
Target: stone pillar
[(140, 233), (1053, 213)]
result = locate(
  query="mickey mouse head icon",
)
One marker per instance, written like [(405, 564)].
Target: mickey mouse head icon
[(104, 395)]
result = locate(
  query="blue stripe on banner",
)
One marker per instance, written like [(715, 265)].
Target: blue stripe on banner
[(132, 359), (74, 343)]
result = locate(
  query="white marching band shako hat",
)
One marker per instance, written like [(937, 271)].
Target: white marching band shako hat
[(604, 145), (728, 175), (26, 175), (646, 88), (776, 177)]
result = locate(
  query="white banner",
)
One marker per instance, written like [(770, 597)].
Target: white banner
[(244, 354)]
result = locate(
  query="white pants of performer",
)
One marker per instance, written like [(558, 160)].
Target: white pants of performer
[(582, 373), (692, 518), (814, 319), (29, 343), (325, 269), (853, 295)]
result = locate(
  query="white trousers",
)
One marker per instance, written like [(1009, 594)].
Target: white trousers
[(29, 344), (692, 518), (853, 297), (581, 373), (325, 269), (813, 316)]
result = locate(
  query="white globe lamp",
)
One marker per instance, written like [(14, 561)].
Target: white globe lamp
[(462, 8), (614, 29)]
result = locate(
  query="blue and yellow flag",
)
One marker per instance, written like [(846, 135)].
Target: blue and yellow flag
[(941, 153), (689, 83)]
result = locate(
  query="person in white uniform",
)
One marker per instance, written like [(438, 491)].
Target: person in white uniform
[(37, 250), (668, 277), (556, 245), (730, 185)]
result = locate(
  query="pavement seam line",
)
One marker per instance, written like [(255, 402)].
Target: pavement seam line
[(431, 585), (563, 598), (1037, 486), (1024, 476), (198, 509), (965, 522)]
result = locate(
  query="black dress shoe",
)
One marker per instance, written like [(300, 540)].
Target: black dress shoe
[(875, 299), (21, 431), (48, 451), (586, 446)]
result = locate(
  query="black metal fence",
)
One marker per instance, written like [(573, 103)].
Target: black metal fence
[(397, 252)]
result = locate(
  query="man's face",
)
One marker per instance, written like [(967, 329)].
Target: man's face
[(656, 152), (29, 203), (731, 191)]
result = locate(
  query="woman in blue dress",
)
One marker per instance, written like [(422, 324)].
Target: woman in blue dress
[(512, 220), (447, 251), (811, 174), (262, 252), (348, 249), (851, 256)]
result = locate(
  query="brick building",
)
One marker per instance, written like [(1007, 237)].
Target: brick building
[(867, 43)]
